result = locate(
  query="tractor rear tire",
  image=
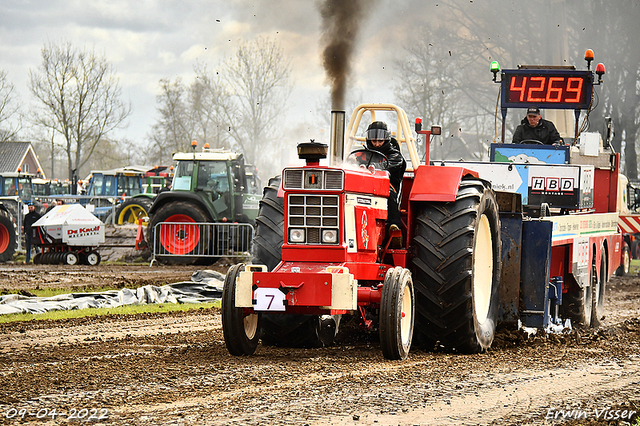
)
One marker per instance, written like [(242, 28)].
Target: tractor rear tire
[(625, 263), (286, 330), (8, 240), (397, 309), (456, 270), (269, 237), (182, 245), (133, 209), (241, 331)]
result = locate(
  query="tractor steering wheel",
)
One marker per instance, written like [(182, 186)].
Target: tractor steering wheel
[(531, 142), (366, 157)]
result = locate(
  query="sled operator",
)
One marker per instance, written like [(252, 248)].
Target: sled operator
[(534, 127)]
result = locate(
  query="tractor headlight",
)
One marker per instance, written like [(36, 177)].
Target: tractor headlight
[(296, 235), (329, 236)]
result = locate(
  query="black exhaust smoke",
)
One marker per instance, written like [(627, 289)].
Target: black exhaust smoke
[(340, 22)]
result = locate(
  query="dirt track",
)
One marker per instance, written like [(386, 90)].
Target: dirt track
[(174, 369)]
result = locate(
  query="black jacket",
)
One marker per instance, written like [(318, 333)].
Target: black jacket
[(397, 164), (544, 132), (29, 219)]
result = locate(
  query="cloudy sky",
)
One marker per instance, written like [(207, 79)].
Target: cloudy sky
[(146, 40)]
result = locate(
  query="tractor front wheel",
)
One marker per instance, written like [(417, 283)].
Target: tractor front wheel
[(240, 329), (132, 210), (396, 314)]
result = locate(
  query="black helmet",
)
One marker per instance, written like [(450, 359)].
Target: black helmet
[(378, 131)]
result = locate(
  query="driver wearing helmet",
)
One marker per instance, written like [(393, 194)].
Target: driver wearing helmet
[(379, 139), (534, 127)]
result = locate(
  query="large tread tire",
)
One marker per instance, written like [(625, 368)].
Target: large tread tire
[(286, 330), (456, 270), (185, 243), (8, 237), (241, 331), (577, 304), (598, 292), (269, 237), (133, 209), (397, 311), (635, 249), (625, 263)]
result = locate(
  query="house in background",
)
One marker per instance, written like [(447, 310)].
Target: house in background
[(19, 155)]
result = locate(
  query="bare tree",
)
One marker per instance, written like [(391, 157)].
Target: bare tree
[(210, 105), (10, 118), (80, 100), (237, 107), (172, 132), (258, 78)]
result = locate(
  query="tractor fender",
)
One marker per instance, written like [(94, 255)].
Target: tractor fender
[(436, 183), (190, 197), (144, 195)]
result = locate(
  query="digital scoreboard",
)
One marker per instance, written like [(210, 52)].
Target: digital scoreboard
[(546, 88)]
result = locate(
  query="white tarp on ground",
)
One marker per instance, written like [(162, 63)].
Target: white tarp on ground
[(205, 286), (71, 224)]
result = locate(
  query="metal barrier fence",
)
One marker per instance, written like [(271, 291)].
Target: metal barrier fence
[(173, 240)]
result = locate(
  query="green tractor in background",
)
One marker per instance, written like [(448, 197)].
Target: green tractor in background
[(212, 186)]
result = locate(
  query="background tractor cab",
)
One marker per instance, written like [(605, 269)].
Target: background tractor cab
[(208, 186), (107, 187), (16, 188)]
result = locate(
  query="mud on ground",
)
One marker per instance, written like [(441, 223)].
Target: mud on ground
[(173, 369)]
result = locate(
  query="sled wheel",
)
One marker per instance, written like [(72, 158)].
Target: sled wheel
[(8, 239), (240, 328), (625, 263), (396, 314), (37, 259), (577, 304), (456, 270), (635, 249), (93, 258), (132, 210), (71, 258), (598, 291)]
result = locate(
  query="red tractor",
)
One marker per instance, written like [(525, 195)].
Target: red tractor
[(531, 236), (336, 259)]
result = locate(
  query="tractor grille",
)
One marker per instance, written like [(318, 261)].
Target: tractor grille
[(313, 179), (313, 214)]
